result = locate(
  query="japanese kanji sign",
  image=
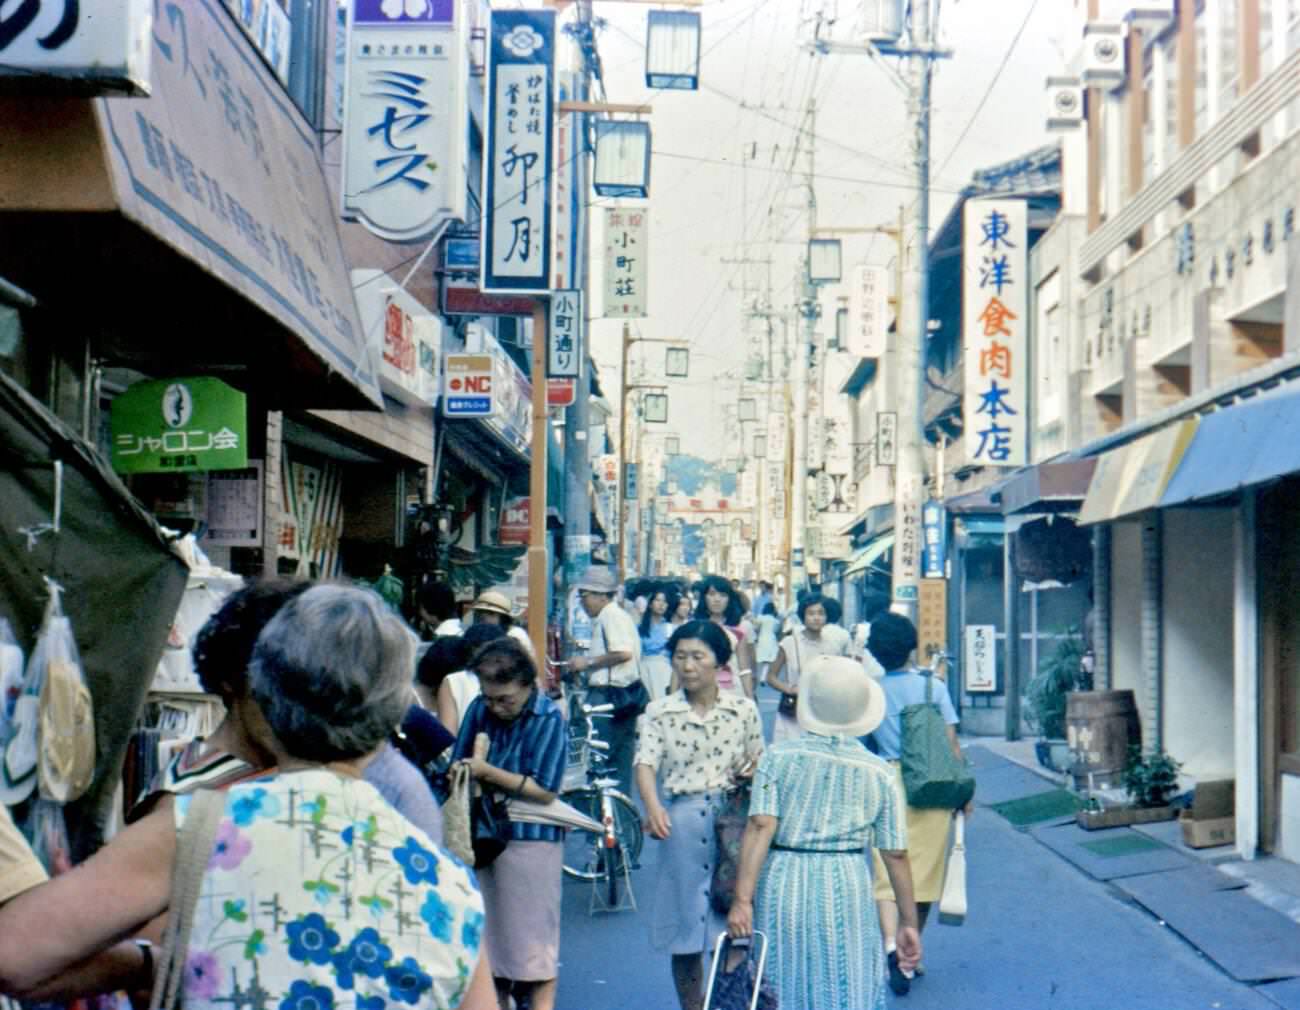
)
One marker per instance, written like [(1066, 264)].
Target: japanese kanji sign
[(626, 252), (886, 438), (179, 425), (980, 669), (405, 118), (518, 162), (567, 201), (107, 46), (907, 539), (995, 286), (564, 336), (868, 311)]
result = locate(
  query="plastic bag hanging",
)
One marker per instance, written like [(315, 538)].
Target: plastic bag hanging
[(67, 721), (12, 662)]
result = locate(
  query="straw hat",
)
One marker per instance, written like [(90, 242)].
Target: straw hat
[(494, 603), (837, 697)]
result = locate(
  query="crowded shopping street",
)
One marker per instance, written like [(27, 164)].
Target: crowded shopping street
[(667, 504)]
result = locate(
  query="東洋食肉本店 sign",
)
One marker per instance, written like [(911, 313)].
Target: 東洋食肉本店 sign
[(178, 425)]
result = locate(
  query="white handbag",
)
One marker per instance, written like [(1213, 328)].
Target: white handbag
[(952, 903)]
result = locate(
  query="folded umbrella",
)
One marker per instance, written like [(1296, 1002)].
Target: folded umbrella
[(952, 903), (557, 813)]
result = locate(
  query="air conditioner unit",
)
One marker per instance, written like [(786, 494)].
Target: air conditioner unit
[(1064, 104), (1103, 55), (1149, 17)]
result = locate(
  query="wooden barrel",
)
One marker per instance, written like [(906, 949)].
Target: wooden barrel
[(1100, 726)]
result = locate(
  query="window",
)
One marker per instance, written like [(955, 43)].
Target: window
[(1229, 66), (1202, 103), (1049, 359), (292, 37), (1170, 55)]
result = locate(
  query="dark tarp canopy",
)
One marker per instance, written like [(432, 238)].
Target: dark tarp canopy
[(122, 582)]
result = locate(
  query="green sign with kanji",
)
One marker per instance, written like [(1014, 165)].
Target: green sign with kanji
[(179, 425)]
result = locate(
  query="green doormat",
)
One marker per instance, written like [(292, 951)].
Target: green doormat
[(1122, 845), (1039, 807)]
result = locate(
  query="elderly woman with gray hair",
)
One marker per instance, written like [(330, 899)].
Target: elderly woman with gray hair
[(316, 892)]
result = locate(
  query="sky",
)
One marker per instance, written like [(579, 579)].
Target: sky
[(730, 163)]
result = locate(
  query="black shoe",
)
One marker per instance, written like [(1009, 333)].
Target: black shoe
[(898, 982)]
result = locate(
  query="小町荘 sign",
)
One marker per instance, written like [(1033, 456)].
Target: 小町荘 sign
[(179, 425)]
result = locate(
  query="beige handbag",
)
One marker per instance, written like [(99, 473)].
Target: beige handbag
[(194, 846), (952, 903), (457, 836)]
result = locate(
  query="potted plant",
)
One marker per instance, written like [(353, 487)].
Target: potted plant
[(1150, 781), (1045, 700)]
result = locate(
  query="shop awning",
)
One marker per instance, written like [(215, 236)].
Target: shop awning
[(1133, 478), (1238, 446), (867, 557), (1048, 487)]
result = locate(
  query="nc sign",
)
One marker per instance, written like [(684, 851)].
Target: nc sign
[(105, 45), (467, 386)]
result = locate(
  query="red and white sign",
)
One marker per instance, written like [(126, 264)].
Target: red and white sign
[(406, 335), (467, 388), (561, 392), (515, 522)]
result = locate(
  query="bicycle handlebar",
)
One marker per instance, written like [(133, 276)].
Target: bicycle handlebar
[(598, 709)]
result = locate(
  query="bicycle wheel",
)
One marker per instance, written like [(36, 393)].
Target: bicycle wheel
[(581, 848), (627, 827), (612, 864)]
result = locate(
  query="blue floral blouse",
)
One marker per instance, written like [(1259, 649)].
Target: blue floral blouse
[(320, 896)]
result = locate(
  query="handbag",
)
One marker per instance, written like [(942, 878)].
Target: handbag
[(456, 834), (789, 703), (743, 986), (934, 778), (629, 701), (489, 827), (194, 844), (728, 832), (952, 903)]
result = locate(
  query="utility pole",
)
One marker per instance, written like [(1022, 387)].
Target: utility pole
[(810, 309)]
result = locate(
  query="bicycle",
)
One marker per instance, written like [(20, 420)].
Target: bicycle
[(600, 858)]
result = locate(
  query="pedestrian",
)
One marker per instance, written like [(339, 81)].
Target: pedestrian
[(819, 802), (445, 656), (460, 688), (893, 638), (684, 611), (694, 745), (613, 668), (656, 669), (277, 914), (527, 751), (762, 599), (437, 608), (720, 603), (814, 637), (492, 607), (766, 648), (223, 652)]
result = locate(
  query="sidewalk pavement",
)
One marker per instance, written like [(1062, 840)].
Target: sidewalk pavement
[(1242, 915)]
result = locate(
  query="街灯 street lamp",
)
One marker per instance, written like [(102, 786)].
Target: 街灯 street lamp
[(655, 406), (672, 50), (677, 362), (748, 410), (622, 168), (824, 261)]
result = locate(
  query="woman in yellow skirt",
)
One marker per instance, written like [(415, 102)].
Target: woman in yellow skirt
[(893, 638)]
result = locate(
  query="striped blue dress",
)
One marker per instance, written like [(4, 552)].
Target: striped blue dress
[(817, 910)]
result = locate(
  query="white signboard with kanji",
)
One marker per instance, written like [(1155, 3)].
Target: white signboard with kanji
[(626, 263), (995, 304), (105, 47), (980, 669), (868, 311), (564, 336), (518, 162), (405, 118)]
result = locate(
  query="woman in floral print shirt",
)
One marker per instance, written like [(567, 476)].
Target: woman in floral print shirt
[(318, 895)]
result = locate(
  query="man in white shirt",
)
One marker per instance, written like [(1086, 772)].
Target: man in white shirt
[(613, 665)]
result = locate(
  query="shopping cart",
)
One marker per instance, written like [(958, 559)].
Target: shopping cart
[(736, 975)]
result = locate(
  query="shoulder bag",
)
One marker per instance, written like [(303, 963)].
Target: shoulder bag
[(728, 832), (934, 778), (194, 845), (789, 703), (629, 701)]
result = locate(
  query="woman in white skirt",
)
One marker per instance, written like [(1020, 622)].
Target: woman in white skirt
[(693, 745), (656, 668), (815, 637), (768, 625)]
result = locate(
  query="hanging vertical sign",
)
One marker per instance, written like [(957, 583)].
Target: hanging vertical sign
[(868, 311), (980, 669), (994, 310), (564, 336), (934, 552), (567, 201), (519, 159), (405, 118), (887, 438), (625, 263)]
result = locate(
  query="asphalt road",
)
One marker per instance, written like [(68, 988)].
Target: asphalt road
[(1039, 934)]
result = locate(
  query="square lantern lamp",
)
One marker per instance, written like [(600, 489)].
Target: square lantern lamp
[(656, 408), (622, 159), (748, 410), (824, 261), (672, 445), (677, 362), (760, 446), (672, 50)]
